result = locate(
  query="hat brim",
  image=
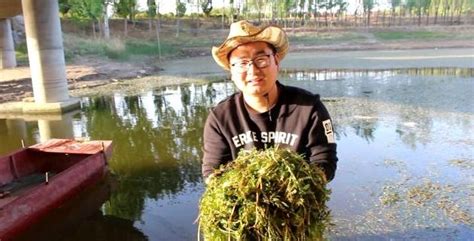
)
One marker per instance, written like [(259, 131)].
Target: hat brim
[(270, 34)]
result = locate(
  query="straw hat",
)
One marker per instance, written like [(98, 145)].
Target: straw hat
[(242, 32)]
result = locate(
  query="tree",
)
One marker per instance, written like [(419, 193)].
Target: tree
[(420, 7), (125, 9), (180, 11), (327, 5), (258, 5), (107, 4), (231, 14), (151, 13), (461, 5), (64, 6), (341, 7), (206, 7), (284, 7), (466, 7), (157, 30), (410, 5), (301, 13), (425, 5), (435, 4), (85, 10), (180, 8), (393, 5), (368, 6)]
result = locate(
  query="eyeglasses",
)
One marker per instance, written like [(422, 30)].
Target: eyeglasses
[(261, 61)]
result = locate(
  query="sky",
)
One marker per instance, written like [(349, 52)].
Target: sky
[(169, 5)]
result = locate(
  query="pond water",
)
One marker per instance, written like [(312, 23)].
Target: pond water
[(405, 140)]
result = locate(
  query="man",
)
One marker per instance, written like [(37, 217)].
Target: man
[(264, 113)]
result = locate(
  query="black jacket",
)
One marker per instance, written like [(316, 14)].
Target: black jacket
[(299, 121)]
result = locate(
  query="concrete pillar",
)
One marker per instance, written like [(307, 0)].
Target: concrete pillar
[(7, 48), (45, 50)]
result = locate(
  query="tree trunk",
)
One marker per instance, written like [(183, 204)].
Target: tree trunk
[(222, 19), (157, 27), (178, 23), (390, 20), (273, 13), (376, 18), (368, 18), (260, 14), (419, 17), (198, 25), (93, 29), (132, 18), (106, 23), (125, 27), (383, 19), (100, 26), (231, 14), (451, 21), (400, 17), (355, 18), (460, 12), (446, 14), (326, 19), (345, 19), (293, 24)]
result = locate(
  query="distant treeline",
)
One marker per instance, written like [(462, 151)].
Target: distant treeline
[(288, 13)]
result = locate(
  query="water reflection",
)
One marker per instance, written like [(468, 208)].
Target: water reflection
[(33, 129), (62, 127), (434, 88), (331, 74), (12, 132), (157, 137)]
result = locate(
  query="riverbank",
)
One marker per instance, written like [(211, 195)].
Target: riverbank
[(204, 69), (92, 75)]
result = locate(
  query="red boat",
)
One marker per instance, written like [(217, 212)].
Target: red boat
[(39, 178)]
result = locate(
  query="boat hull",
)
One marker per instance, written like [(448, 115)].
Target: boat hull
[(75, 171)]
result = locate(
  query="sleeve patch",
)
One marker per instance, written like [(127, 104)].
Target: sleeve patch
[(328, 131)]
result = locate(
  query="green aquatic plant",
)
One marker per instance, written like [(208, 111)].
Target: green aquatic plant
[(272, 194)]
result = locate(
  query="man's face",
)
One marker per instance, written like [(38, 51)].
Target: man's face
[(251, 79)]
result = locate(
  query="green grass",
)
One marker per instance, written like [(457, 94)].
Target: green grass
[(143, 48), (77, 46), (136, 47), (416, 35), (116, 49), (21, 53)]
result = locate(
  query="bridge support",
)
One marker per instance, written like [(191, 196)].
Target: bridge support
[(7, 49), (46, 57)]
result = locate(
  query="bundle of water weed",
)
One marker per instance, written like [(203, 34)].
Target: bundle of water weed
[(272, 194)]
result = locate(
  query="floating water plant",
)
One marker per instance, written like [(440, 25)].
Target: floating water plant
[(272, 194)]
